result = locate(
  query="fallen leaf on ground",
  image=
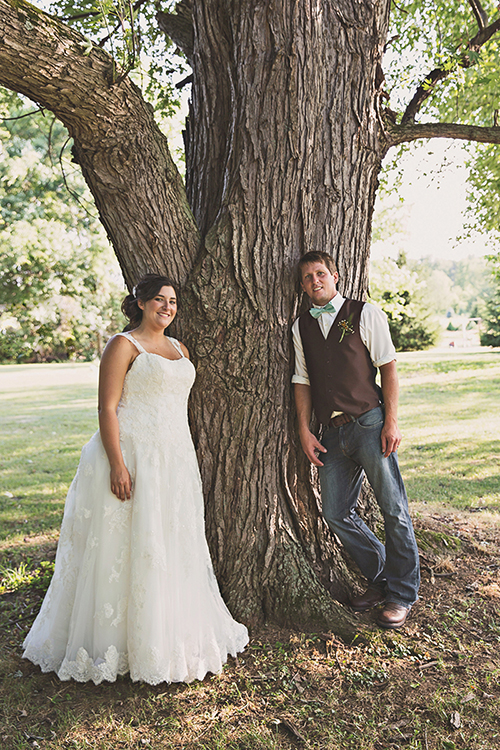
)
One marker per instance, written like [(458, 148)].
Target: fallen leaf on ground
[(284, 724), (467, 698), (455, 720)]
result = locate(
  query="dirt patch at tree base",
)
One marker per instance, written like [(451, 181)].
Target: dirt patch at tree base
[(432, 685)]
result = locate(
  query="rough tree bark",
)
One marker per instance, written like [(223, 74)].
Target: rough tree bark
[(285, 145), (283, 120)]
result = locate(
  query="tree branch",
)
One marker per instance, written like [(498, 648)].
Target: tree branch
[(422, 93), (480, 13), (426, 88), (179, 26), (27, 114), (118, 26), (80, 16), (123, 155), (405, 133), (483, 36)]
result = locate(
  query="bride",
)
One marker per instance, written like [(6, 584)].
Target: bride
[(133, 588)]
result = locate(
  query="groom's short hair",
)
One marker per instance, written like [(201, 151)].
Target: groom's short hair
[(316, 256)]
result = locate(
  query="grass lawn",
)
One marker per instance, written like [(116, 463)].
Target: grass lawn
[(450, 420), (47, 413), (435, 685)]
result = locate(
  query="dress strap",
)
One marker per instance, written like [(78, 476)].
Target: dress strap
[(177, 345), (128, 335)]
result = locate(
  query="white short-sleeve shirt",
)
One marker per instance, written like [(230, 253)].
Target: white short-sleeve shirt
[(373, 330)]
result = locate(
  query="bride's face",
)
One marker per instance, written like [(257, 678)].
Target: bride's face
[(161, 310)]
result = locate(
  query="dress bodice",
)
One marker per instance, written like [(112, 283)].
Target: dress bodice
[(155, 394)]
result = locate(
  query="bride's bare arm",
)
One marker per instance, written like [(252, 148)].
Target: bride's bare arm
[(116, 360)]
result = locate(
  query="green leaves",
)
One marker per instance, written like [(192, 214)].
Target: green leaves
[(426, 36), (129, 32), (87, 49), (60, 285), (396, 288), (490, 310), (484, 179)]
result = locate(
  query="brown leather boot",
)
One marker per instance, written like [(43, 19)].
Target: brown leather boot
[(369, 599), (392, 616)]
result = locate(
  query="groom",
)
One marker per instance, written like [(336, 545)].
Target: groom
[(339, 344)]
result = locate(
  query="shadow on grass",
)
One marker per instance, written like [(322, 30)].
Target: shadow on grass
[(42, 437), (463, 475)]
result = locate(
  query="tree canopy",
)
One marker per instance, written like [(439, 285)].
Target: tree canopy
[(439, 72), (442, 65)]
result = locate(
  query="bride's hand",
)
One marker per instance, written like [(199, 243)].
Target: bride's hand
[(121, 483)]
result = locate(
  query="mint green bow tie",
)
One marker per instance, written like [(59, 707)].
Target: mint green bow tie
[(317, 311)]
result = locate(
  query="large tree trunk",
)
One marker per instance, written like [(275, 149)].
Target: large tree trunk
[(283, 158), (298, 172)]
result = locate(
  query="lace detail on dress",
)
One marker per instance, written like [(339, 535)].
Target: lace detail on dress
[(133, 587), (83, 668)]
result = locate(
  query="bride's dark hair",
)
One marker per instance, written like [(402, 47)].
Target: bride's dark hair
[(147, 288)]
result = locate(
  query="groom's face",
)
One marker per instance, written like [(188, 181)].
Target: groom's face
[(319, 283)]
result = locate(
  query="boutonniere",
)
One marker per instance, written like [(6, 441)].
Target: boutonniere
[(346, 328)]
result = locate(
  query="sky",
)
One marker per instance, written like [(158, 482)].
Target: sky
[(433, 212)]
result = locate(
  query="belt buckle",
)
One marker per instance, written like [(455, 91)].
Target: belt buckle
[(341, 419)]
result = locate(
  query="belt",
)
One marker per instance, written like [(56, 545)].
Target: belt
[(339, 420)]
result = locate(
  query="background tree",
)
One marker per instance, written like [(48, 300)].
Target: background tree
[(60, 285), (485, 183), (489, 334), (400, 294), (417, 295), (287, 131)]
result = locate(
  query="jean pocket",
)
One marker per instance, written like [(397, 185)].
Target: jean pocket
[(372, 418)]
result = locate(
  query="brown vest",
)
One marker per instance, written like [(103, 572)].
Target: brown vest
[(341, 373)]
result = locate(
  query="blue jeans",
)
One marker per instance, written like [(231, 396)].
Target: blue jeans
[(352, 450)]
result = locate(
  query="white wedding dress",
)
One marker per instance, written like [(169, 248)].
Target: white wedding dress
[(133, 587)]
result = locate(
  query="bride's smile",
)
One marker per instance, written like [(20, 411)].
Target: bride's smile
[(162, 309)]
